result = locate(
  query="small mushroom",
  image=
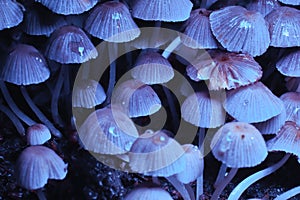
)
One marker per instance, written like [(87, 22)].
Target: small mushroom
[(292, 105), (37, 134), (11, 14), (263, 6), (288, 65)]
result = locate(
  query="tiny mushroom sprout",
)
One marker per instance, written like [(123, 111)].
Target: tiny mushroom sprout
[(87, 93), (156, 154), (37, 134), (287, 140), (136, 98), (284, 27), (162, 10), (240, 30), (148, 192), (24, 66), (224, 70), (67, 45), (10, 14), (36, 165), (252, 103), (263, 6), (292, 105), (289, 65), (197, 32), (233, 145), (108, 131), (69, 7), (38, 20)]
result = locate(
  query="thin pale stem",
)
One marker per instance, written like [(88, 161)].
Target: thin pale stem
[(172, 46), (112, 51), (199, 185), (55, 98), (242, 186), (15, 120), (223, 184), (39, 114), (179, 187), (22, 116), (289, 194), (40, 194), (221, 175)]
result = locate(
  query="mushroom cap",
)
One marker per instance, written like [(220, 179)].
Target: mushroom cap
[(291, 101), (238, 145), (203, 109), (289, 65), (198, 34), (25, 65), (148, 193), (108, 131), (162, 10), (112, 22), (287, 139), (37, 134), (36, 165), (10, 14), (263, 6), (136, 98), (194, 164), (252, 103), (284, 27), (290, 2), (40, 21), (152, 68), (68, 7), (87, 94), (70, 44), (225, 70), (156, 154), (240, 30), (272, 126)]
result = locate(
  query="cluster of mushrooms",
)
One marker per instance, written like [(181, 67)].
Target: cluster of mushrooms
[(209, 52)]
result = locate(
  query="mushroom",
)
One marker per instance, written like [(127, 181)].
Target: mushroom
[(25, 65), (284, 27), (198, 34), (288, 65), (286, 140), (67, 45), (240, 30), (224, 70), (231, 145), (292, 106), (112, 22), (36, 165), (291, 2), (37, 134), (10, 14), (68, 7)]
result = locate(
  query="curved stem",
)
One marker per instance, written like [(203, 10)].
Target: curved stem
[(242, 186), (288, 194), (173, 45), (55, 97), (17, 123), (224, 183), (39, 114), (221, 175), (112, 52), (27, 120), (179, 187)]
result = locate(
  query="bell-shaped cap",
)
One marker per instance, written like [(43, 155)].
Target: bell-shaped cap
[(291, 101), (10, 14), (263, 6), (289, 65), (37, 134)]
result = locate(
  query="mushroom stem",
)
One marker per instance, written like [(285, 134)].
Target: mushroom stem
[(172, 46), (199, 185), (17, 123), (180, 188), (112, 52), (39, 114), (221, 175), (289, 194), (55, 97), (171, 104), (224, 183), (242, 186), (40, 194), (27, 120)]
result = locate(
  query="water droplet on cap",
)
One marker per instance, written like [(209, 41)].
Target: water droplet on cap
[(112, 130), (81, 49), (246, 102), (127, 146)]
